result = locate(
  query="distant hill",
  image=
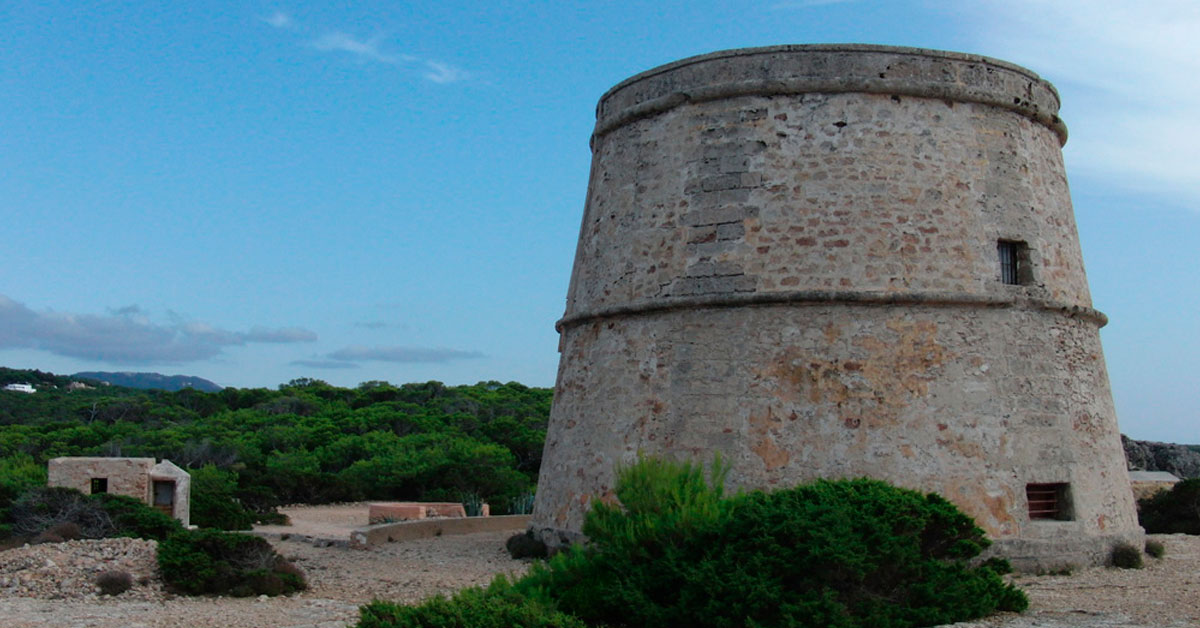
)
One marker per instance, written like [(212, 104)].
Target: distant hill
[(150, 381)]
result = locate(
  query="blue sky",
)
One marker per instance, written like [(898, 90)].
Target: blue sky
[(252, 192)]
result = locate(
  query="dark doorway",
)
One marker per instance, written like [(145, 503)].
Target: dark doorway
[(164, 497)]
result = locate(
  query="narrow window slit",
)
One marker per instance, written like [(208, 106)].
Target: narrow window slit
[(1015, 268)]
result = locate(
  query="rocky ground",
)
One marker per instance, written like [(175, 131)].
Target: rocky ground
[(51, 585)]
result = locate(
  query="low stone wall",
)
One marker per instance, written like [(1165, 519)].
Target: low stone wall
[(369, 536), (392, 512)]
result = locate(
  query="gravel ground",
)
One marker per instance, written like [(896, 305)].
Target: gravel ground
[(37, 593)]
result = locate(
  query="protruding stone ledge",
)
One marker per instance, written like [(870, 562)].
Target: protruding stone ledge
[(830, 297)]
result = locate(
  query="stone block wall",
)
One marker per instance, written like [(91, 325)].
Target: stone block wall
[(125, 476)]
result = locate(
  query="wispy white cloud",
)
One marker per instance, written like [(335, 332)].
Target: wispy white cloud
[(443, 73), (126, 335), (282, 20), (1127, 75), (372, 49), (369, 49)]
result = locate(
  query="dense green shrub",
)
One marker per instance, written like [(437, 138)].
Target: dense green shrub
[(834, 553), (1155, 549), (500, 605), (1172, 511), (134, 518), (18, 473), (307, 442), (200, 562), (214, 503)]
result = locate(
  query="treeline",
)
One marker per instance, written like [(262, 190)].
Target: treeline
[(306, 442)]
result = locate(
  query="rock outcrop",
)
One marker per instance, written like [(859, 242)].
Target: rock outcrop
[(1182, 460)]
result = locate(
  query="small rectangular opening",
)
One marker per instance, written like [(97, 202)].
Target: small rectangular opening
[(1048, 501), (99, 485), (164, 493), (1014, 262)]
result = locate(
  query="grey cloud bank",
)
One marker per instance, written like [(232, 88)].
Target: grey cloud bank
[(126, 335)]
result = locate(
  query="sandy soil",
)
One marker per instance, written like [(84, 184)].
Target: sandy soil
[(326, 522)]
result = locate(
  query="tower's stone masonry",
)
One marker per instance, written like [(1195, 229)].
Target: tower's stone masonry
[(790, 256)]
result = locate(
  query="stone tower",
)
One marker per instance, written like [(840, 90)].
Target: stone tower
[(841, 261)]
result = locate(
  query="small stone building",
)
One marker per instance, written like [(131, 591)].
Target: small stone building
[(164, 486)]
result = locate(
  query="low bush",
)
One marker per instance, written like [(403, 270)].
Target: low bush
[(38, 509), (54, 514), (1172, 511), (833, 553), (676, 552), (272, 518), (1126, 556), (521, 504), (134, 518), (499, 605), (58, 533), (525, 545), (1155, 549), (212, 562), (114, 582)]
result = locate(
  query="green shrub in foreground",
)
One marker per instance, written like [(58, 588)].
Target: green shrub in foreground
[(497, 606), (839, 554), (199, 562), (834, 553), (1172, 511)]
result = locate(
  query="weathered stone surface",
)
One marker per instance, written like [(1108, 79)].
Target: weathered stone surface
[(789, 256)]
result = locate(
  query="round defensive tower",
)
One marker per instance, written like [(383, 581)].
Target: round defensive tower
[(841, 261)]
